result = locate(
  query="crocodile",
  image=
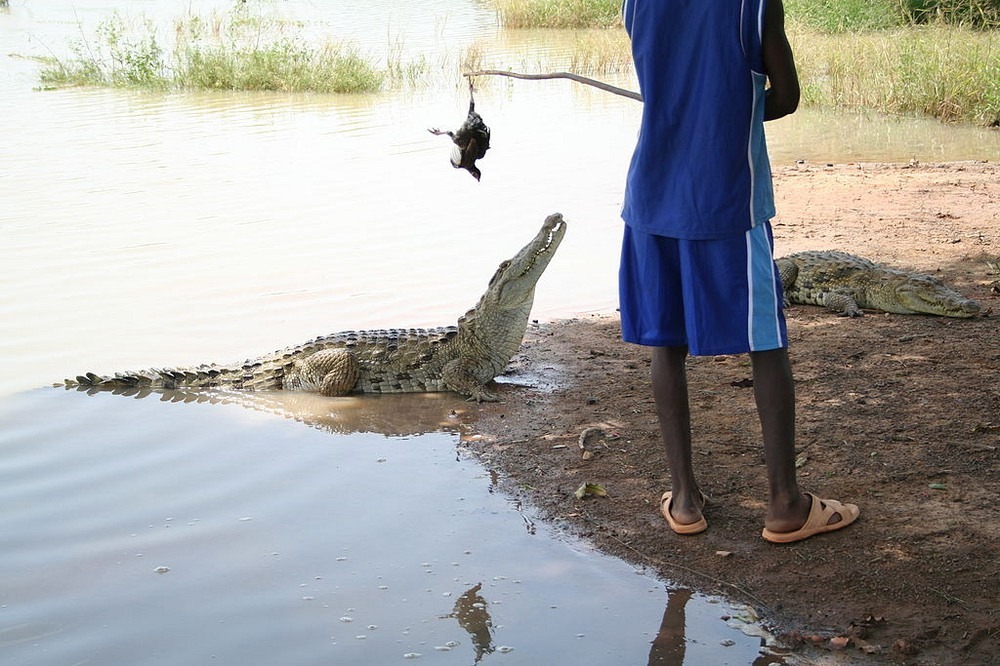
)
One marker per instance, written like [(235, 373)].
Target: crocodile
[(463, 358), (848, 284)]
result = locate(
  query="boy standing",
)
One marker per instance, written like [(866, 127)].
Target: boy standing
[(697, 272)]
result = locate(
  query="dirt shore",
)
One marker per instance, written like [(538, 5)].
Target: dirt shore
[(900, 414)]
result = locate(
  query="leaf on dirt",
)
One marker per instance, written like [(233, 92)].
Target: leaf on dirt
[(938, 486), (590, 489), (801, 460)]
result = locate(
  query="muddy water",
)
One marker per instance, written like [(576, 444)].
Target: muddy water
[(160, 532), (148, 229)]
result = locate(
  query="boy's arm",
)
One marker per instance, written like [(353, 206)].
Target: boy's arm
[(779, 65)]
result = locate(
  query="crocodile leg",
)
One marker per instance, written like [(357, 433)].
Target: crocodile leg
[(334, 371), (463, 377), (788, 271), (842, 303)]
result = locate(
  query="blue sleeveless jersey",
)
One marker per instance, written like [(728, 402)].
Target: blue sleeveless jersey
[(700, 168)]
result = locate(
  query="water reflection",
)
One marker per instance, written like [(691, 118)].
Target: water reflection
[(670, 647), (471, 611), (392, 415)]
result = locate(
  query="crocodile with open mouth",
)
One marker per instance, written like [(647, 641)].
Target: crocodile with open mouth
[(463, 358)]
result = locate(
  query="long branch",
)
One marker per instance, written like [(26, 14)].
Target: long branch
[(606, 87)]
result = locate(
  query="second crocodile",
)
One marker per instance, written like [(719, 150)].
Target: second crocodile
[(848, 284), (462, 358)]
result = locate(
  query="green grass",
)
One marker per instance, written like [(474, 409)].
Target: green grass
[(823, 15), (284, 66), (835, 16), (235, 51), (948, 72), (559, 13), (980, 14)]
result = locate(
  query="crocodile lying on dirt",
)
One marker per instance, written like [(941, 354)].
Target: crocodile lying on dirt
[(847, 284), (462, 358)]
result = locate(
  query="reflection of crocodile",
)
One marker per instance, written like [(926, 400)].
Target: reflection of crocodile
[(388, 414), (847, 284), (462, 358)]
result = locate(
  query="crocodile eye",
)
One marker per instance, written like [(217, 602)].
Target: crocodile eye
[(503, 267)]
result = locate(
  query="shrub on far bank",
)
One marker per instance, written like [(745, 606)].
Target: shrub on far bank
[(231, 52), (950, 73), (984, 14), (836, 16), (559, 13)]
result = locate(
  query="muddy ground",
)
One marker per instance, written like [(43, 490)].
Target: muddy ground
[(899, 414)]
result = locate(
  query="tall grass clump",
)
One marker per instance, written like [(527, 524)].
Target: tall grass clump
[(601, 52), (948, 72), (837, 16), (981, 14), (244, 52), (113, 57), (234, 51), (559, 13)]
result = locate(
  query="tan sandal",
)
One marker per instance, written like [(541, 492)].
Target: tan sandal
[(818, 521), (682, 528)]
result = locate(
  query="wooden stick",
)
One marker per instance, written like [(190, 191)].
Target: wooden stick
[(606, 87)]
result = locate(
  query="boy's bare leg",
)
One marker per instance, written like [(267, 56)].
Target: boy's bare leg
[(774, 391), (669, 378)]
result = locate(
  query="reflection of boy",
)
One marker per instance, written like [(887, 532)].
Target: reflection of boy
[(697, 271)]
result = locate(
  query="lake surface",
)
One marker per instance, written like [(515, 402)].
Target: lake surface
[(141, 531), (154, 229)]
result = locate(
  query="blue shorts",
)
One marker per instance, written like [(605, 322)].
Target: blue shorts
[(720, 296)]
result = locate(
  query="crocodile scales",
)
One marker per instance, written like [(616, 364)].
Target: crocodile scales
[(848, 284), (462, 358)]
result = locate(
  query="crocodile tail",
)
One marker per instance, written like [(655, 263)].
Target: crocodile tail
[(250, 376)]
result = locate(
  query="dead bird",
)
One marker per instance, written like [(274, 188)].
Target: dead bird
[(472, 139)]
